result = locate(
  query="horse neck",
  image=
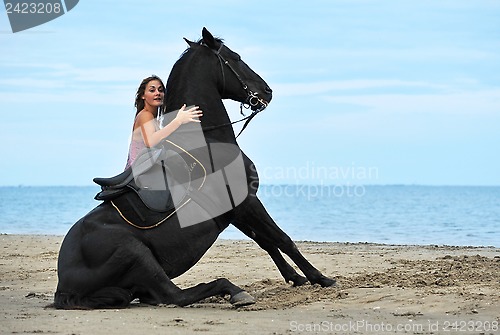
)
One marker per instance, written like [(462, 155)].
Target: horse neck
[(204, 93)]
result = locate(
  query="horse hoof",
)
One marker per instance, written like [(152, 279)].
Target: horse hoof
[(325, 281), (242, 299), (329, 282), (298, 280)]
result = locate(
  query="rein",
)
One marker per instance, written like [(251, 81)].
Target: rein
[(248, 118), (252, 99)]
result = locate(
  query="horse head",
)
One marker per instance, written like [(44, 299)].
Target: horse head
[(236, 80)]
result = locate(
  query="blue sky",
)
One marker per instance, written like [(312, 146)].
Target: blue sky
[(365, 92)]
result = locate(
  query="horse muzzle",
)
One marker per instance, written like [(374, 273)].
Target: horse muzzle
[(257, 103)]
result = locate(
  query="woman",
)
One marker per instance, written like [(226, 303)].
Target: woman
[(149, 101)]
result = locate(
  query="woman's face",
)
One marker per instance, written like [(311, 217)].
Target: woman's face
[(153, 95)]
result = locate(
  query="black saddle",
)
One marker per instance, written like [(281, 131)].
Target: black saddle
[(206, 181), (160, 178), (113, 181)]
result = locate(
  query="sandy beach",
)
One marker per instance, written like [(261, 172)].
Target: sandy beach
[(382, 289)]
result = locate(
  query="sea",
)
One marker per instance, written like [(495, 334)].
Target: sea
[(388, 214)]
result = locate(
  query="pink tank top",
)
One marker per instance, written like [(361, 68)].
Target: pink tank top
[(136, 146)]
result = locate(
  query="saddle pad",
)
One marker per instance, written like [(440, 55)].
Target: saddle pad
[(133, 211)]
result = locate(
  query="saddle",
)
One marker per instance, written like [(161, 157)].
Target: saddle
[(207, 182), (157, 183)]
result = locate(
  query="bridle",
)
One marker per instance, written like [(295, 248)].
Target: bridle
[(252, 101)]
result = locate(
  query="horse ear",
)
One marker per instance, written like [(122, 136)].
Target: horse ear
[(191, 44), (209, 39)]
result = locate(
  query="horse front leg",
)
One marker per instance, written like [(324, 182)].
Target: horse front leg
[(286, 270), (252, 217)]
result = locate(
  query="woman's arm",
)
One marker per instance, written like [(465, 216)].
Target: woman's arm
[(151, 136)]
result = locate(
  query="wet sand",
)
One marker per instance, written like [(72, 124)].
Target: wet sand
[(382, 289)]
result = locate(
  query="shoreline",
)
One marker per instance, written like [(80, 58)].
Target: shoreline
[(417, 287), (433, 245)]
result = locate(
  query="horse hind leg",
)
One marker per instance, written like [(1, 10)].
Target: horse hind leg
[(131, 272), (153, 286), (88, 268), (161, 290), (218, 287)]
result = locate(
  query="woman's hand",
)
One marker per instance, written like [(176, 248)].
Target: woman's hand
[(188, 115)]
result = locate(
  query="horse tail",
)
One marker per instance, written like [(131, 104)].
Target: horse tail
[(108, 297)]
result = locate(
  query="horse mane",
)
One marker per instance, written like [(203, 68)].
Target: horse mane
[(200, 42)]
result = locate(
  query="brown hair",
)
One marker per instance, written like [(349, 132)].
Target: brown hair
[(139, 102)]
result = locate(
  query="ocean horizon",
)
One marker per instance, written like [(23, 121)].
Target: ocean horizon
[(388, 214)]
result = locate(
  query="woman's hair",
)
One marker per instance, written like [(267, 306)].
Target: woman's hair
[(139, 102)]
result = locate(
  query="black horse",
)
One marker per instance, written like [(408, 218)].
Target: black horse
[(105, 262)]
